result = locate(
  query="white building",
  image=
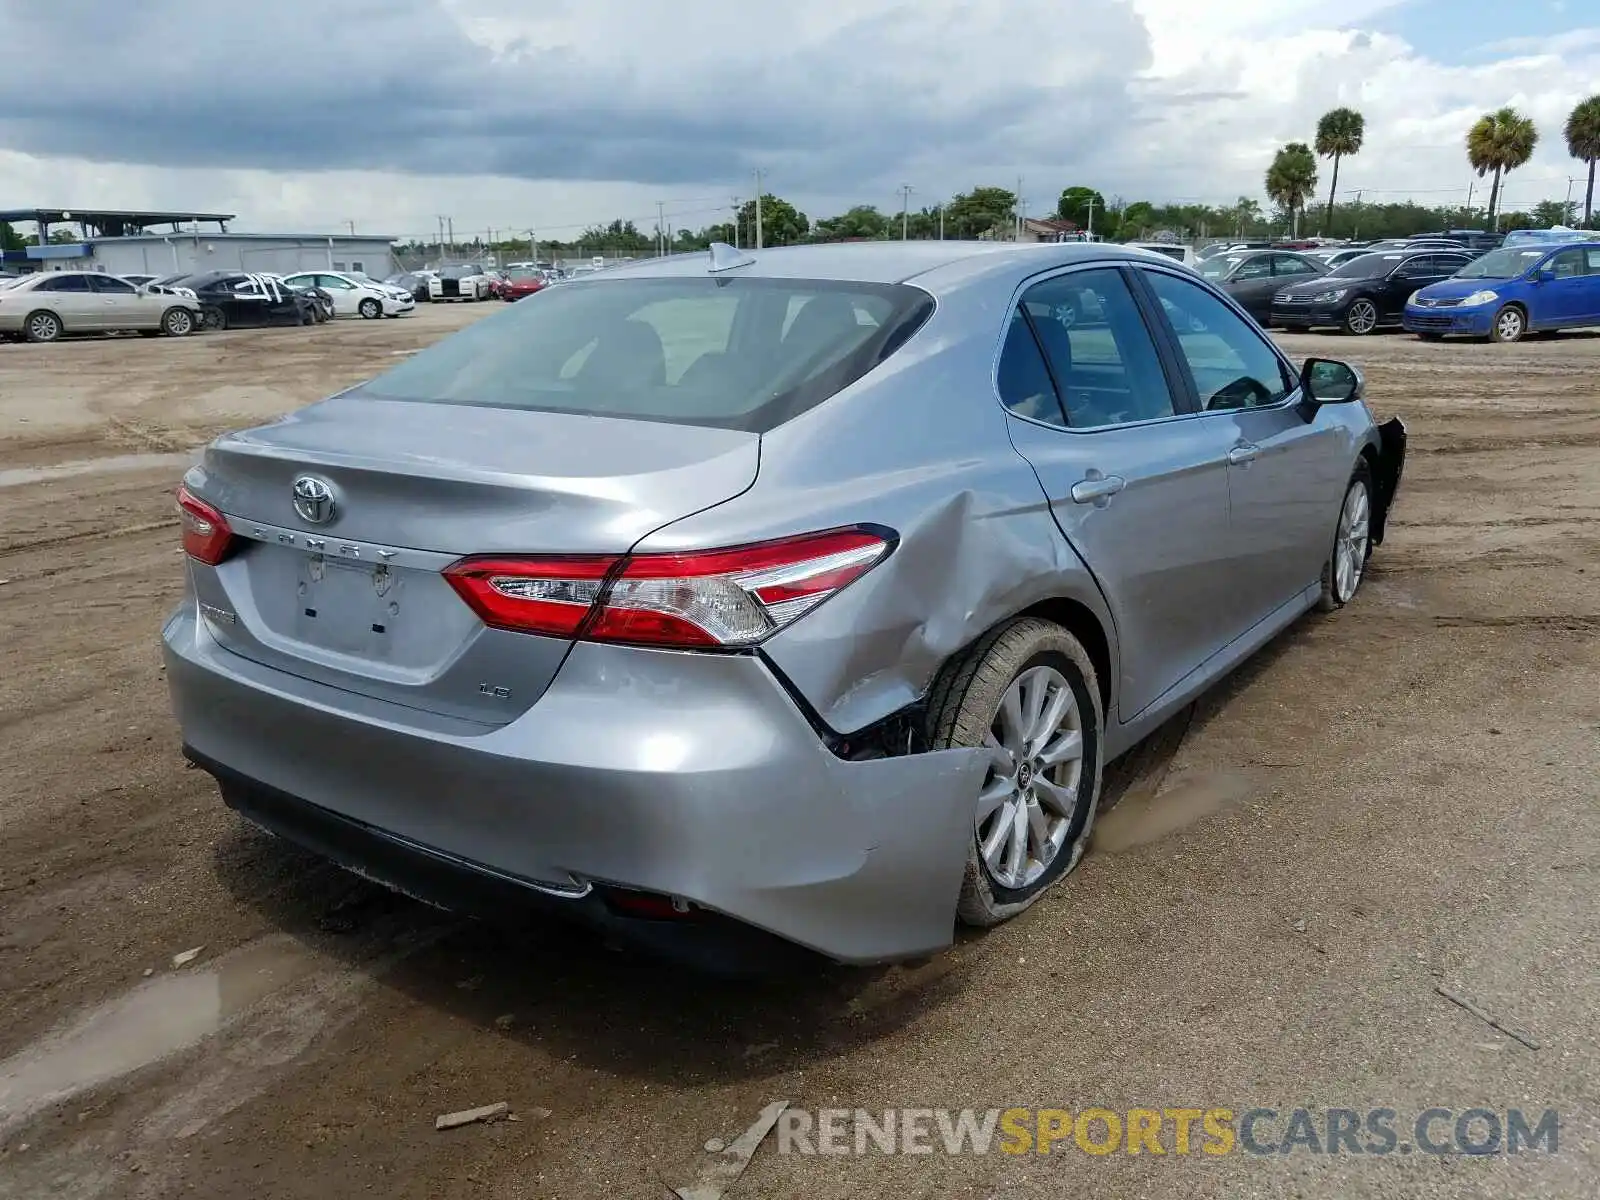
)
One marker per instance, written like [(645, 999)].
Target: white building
[(123, 243)]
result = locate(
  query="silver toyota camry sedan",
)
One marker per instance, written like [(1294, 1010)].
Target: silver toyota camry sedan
[(741, 601)]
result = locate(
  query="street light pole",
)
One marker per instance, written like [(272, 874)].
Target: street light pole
[(905, 209), (759, 173), (735, 224), (661, 228)]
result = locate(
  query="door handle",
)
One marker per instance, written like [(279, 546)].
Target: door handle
[(1097, 490), (1240, 455)]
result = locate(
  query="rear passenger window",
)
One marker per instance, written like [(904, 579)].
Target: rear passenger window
[(1231, 364), (1100, 354)]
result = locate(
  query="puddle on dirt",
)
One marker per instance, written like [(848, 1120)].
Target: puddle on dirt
[(96, 466), (158, 1018), (1141, 818)]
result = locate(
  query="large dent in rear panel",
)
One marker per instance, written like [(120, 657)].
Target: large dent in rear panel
[(960, 568)]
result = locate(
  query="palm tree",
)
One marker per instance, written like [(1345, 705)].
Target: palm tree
[(1583, 141), (1500, 141), (1339, 133), (1292, 178)]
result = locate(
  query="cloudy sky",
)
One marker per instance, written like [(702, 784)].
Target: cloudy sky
[(306, 114)]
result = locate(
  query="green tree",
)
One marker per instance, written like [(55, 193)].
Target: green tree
[(862, 221), (1500, 142), (1137, 219), (1081, 206), (782, 224), (972, 214), (10, 239), (1583, 142), (1291, 179), (1547, 213), (1339, 134)]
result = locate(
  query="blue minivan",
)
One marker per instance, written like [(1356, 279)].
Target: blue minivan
[(1511, 292)]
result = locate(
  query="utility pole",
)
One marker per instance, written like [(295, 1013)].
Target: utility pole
[(450, 231), (1471, 183), (1356, 232), (941, 222), (661, 228), (441, 241), (533, 247), (759, 174), (1090, 230), (1016, 214), (735, 223), (905, 208)]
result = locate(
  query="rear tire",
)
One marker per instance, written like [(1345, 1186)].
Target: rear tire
[(1034, 811), (213, 318), (1430, 337), (43, 326)]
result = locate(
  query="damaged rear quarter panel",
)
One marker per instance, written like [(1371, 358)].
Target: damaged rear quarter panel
[(919, 445)]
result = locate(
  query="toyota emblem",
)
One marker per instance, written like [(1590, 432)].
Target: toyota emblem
[(313, 499)]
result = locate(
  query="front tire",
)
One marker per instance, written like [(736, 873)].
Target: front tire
[(370, 309), (1346, 566), (1510, 324), (1361, 318), (1027, 691), (213, 318), (177, 322)]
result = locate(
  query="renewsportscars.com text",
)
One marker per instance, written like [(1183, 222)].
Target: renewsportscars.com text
[(1178, 1132)]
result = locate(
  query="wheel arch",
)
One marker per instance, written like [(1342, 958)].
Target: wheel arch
[(43, 312), (1080, 621)]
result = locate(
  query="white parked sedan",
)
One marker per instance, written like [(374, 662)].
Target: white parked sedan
[(355, 295), (464, 281)]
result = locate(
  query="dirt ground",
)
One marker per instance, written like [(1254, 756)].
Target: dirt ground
[(1402, 795)]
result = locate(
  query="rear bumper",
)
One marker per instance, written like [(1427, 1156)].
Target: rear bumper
[(681, 774), (1469, 322)]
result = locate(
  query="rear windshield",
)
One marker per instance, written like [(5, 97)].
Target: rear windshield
[(460, 272), (731, 353)]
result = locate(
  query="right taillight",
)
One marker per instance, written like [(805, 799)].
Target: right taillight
[(206, 536), (701, 600)]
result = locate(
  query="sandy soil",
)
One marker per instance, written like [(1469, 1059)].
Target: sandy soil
[(1397, 796)]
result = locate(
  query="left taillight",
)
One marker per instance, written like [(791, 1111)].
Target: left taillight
[(206, 536), (702, 600)]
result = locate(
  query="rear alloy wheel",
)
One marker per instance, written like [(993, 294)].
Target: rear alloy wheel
[(177, 322), (1509, 325), (1027, 694), (44, 327), (1361, 318), (370, 309), (213, 318), (1352, 543)]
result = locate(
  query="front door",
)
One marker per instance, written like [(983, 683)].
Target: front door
[(1139, 491), (121, 305), (345, 301), (1286, 469), (1564, 300)]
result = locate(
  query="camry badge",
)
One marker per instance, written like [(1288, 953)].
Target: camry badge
[(313, 499)]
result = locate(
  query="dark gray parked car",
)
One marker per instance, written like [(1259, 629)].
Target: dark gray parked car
[(756, 600), (1254, 277)]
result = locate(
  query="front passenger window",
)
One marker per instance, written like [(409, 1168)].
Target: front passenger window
[(1231, 365)]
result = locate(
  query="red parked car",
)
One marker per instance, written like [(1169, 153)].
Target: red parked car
[(522, 281)]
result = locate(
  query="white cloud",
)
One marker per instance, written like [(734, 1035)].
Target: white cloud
[(1166, 99)]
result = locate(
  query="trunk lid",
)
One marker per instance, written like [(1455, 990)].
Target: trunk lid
[(357, 600)]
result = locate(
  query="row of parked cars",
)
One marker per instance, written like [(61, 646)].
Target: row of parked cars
[(1470, 284), (48, 306), (472, 281)]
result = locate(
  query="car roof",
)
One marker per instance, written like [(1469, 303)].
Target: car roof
[(889, 262)]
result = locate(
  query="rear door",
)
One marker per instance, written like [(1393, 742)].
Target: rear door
[(1139, 490), (1589, 313), (1253, 285), (345, 299), (1285, 472), (70, 296)]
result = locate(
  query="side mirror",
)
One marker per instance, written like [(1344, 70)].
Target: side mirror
[(1329, 381), (1545, 275)]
